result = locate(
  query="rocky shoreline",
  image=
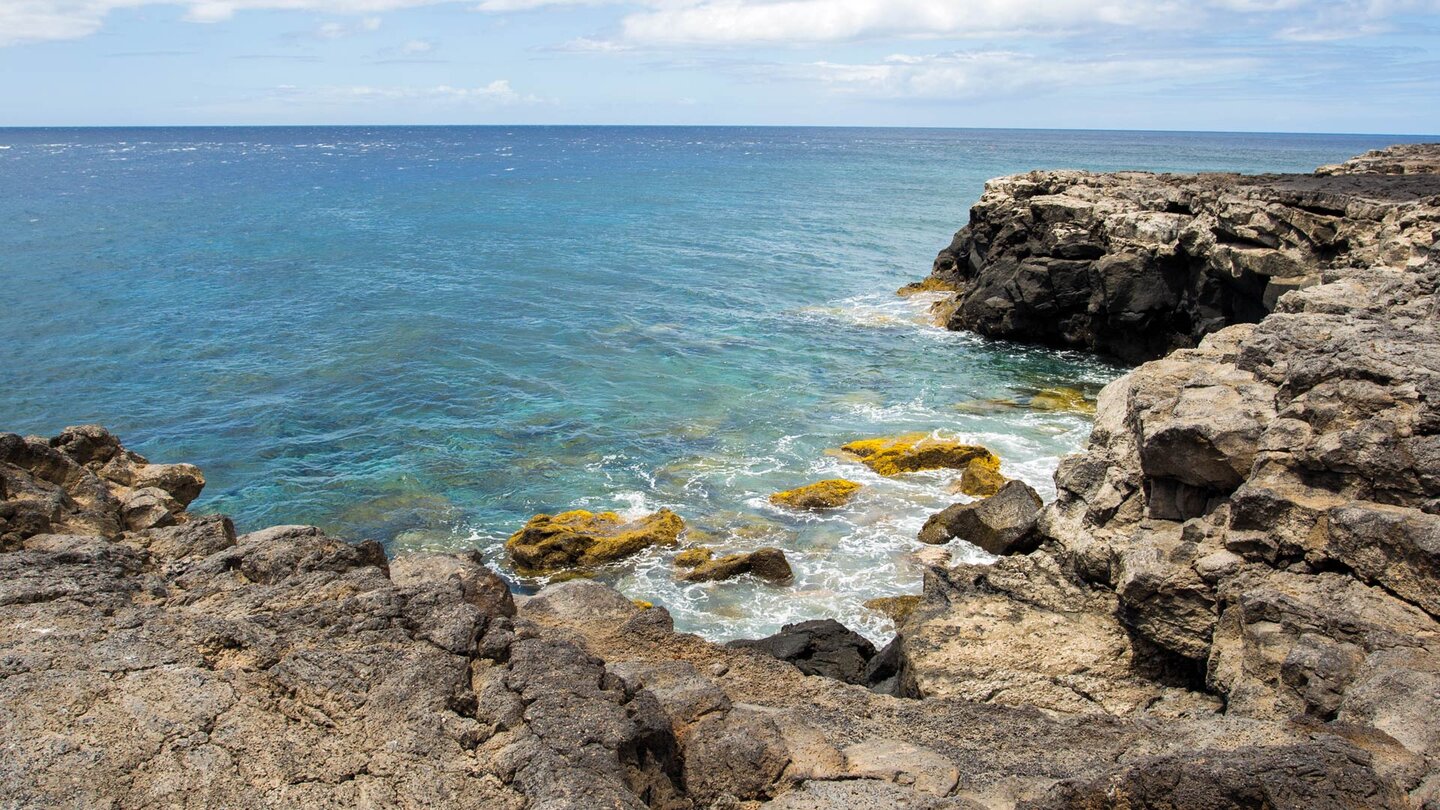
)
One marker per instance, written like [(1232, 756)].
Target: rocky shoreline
[(1232, 602)]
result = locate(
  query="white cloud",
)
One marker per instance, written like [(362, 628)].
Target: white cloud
[(339, 30), (744, 21), (44, 20), (591, 45), (739, 22), (496, 93), (991, 74), (417, 47)]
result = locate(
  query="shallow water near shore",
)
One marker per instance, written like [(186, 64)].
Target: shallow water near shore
[(424, 336)]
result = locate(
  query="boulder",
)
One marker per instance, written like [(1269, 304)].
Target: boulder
[(828, 494), (818, 647), (551, 543), (1000, 524), (768, 564), (915, 451)]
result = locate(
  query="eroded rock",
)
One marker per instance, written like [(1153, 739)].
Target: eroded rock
[(549, 543)]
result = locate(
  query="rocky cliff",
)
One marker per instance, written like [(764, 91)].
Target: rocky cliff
[(1232, 602), (1255, 521), (1134, 265)]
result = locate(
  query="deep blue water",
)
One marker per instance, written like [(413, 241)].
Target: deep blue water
[(425, 335)]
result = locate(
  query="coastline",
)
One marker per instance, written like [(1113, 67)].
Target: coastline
[(1180, 627)]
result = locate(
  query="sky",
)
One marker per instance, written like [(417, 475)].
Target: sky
[(1370, 66)]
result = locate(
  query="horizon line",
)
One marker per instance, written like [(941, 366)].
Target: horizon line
[(10, 127)]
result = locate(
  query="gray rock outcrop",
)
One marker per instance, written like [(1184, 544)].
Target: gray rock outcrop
[(1253, 530), (1134, 265)]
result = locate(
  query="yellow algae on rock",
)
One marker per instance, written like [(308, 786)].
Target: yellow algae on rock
[(827, 494), (913, 452), (896, 607), (981, 478), (579, 538), (1062, 399), (642, 604), (691, 557), (928, 284)]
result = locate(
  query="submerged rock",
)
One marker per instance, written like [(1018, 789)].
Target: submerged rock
[(916, 451), (1000, 524), (578, 538), (1062, 399), (828, 494), (768, 564)]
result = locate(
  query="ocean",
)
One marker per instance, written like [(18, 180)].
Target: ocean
[(425, 335)]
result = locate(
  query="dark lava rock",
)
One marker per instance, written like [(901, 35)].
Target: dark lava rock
[(818, 647)]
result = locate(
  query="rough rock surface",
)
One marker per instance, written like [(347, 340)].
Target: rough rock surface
[(1000, 523), (827, 494), (917, 451), (819, 647), (768, 564), (1254, 528), (581, 539), (1134, 265)]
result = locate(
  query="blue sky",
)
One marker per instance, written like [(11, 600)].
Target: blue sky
[(1268, 65)]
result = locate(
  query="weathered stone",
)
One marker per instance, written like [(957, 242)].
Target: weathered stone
[(691, 557), (768, 564), (578, 538), (828, 494), (914, 767), (981, 478), (916, 451), (1329, 775), (898, 608), (819, 647), (1000, 524)]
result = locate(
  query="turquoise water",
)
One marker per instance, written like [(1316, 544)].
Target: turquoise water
[(424, 336)]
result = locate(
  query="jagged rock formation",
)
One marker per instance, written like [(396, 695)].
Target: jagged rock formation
[(1256, 520), (1134, 265), (186, 666)]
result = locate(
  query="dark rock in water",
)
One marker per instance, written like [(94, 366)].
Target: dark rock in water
[(768, 564), (818, 647), (1000, 524)]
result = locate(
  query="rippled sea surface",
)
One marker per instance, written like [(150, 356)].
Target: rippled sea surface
[(424, 336)]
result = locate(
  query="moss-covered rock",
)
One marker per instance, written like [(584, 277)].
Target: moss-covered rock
[(896, 607), (691, 557), (1062, 399), (981, 478), (550, 543), (915, 451), (828, 494), (766, 563)]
